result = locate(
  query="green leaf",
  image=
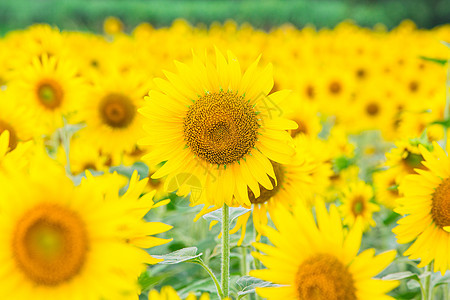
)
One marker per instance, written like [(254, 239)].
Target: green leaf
[(146, 281), (127, 171), (401, 275), (203, 286), (445, 123), (439, 61), (248, 284), (342, 163), (413, 284), (216, 215), (179, 256), (440, 280)]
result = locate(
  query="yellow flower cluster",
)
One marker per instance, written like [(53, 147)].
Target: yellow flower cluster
[(264, 121)]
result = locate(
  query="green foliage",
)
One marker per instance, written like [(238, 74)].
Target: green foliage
[(89, 14)]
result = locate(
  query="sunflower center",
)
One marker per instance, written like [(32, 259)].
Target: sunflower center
[(310, 92), (266, 194), (50, 244), (50, 94), (221, 128), (324, 277), (358, 205), (372, 109), (117, 110), (440, 208), (12, 134), (335, 87)]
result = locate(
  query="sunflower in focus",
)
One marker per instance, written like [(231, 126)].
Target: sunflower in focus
[(220, 126), (356, 204), (50, 89), (425, 207), (62, 241), (319, 261), (110, 112), (168, 293)]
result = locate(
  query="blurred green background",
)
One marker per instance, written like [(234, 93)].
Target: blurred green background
[(89, 14)]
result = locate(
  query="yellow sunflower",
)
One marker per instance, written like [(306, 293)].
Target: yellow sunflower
[(425, 206), (72, 242), (83, 156), (110, 112), (356, 204), (112, 25), (386, 187), (319, 261), (168, 293), (50, 89), (220, 126), (16, 119), (405, 158)]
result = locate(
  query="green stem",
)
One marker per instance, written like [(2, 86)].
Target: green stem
[(244, 269), (427, 288), (225, 250), (200, 262)]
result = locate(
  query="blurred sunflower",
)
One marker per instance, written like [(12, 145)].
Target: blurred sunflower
[(425, 207), (319, 261), (16, 119), (112, 26), (110, 112), (50, 89), (386, 187), (218, 125), (356, 204), (405, 158), (82, 242)]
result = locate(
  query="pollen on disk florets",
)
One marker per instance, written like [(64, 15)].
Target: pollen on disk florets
[(440, 208), (324, 277), (221, 128)]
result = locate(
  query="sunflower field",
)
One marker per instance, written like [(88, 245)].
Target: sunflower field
[(225, 162)]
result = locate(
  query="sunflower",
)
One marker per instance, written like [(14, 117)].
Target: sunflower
[(110, 112), (304, 114), (35, 41), (319, 261), (405, 158), (112, 26), (425, 206), (356, 204), (386, 187), (168, 293), (83, 156), (50, 89), (220, 126), (16, 119), (83, 242)]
